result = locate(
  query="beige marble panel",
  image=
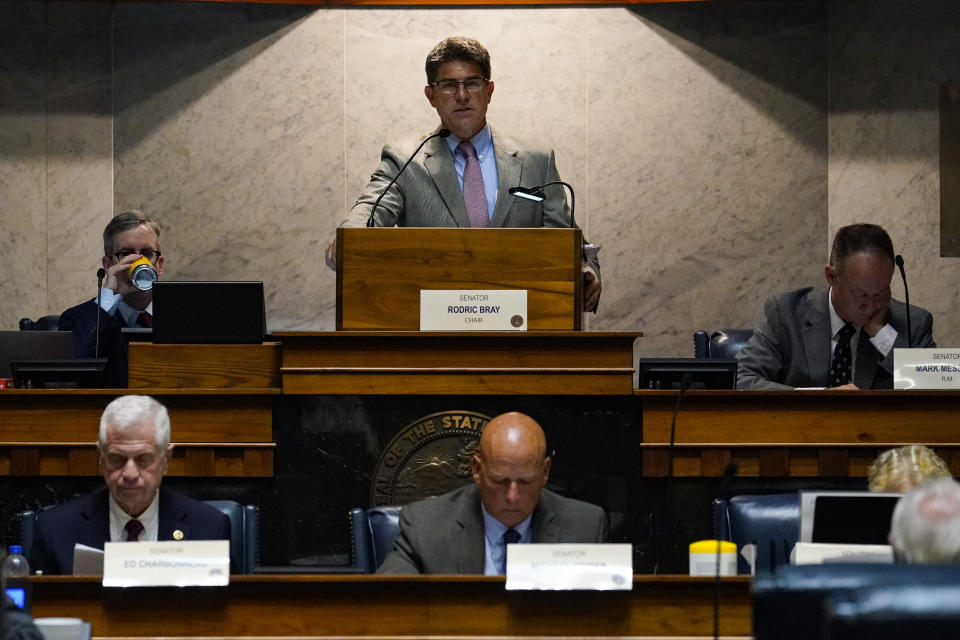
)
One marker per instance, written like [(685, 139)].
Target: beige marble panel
[(79, 152), (707, 165), (539, 81), (56, 166), (22, 180), (887, 61), (229, 129)]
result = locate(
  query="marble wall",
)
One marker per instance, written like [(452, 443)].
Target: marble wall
[(714, 146)]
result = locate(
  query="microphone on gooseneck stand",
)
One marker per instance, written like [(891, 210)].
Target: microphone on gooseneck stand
[(906, 298), (685, 381), (443, 133), (729, 472), (100, 275)]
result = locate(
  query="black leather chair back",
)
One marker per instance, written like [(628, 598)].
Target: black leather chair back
[(371, 535), (895, 611), (46, 323), (790, 603), (772, 522), (722, 343)]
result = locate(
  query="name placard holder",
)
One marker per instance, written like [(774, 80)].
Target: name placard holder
[(184, 563), (926, 368), (473, 310), (554, 567)]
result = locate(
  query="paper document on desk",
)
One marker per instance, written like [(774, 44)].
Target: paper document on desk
[(825, 552), (87, 561)]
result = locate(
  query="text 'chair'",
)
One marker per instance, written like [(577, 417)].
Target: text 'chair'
[(244, 533), (371, 535), (771, 522)]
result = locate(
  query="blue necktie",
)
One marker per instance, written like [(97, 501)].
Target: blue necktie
[(510, 536)]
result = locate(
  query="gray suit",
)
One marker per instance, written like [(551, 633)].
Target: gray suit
[(428, 193), (791, 347), (445, 534)]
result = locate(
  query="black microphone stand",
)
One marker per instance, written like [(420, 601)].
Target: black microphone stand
[(443, 133), (100, 275), (906, 298)]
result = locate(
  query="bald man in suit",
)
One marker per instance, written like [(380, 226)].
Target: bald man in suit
[(463, 179), (466, 531)]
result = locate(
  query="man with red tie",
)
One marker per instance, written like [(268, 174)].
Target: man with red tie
[(134, 448), (127, 238)]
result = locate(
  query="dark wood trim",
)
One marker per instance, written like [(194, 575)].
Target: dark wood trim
[(408, 606)]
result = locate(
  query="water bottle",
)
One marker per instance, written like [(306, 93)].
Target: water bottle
[(13, 571), (15, 565)]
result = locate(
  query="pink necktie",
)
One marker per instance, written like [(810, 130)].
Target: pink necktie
[(474, 195)]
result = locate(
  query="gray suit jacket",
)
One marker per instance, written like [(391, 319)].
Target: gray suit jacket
[(428, 194), (791, 347), (445, 534)]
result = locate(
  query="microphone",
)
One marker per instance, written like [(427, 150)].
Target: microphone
[(906, 297), (443, 133), (537, 195), (685, 381), (729, 472), (100, 275)]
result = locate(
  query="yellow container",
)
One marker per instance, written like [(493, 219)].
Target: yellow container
[(703, 558)]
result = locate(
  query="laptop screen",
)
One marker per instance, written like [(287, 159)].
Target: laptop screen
[(846, 517), (208, 312), (21, 345)]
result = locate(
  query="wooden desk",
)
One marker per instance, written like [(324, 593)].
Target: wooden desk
[(383, 607), (444, 363), (220, 399), (794, 433), (48, 432)]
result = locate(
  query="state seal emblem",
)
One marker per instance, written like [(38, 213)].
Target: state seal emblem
[(428, 457)]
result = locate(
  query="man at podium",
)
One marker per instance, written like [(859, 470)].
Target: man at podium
[(460, 175)]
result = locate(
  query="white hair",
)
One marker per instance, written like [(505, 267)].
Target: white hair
[(926, 524), (128, 411)]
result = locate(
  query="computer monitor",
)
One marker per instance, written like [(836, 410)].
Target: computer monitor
[(846, 517), (18, 345), (669, 373), (208, 312)]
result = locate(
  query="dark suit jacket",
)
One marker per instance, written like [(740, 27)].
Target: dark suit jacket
[(82, 321), (791, 347), (445, 534), (428, 192), (86, 520)]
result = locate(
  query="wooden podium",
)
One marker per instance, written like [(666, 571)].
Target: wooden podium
[(381, 271)]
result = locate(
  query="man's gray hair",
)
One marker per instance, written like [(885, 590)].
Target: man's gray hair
[(926, 524), (129, 411)]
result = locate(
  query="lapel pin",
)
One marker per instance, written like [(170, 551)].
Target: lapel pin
[(178, 535)]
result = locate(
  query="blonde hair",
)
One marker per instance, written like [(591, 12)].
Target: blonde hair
[(902, 469)]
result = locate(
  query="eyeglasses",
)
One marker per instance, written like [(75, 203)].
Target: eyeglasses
[(149, 254), (450, 87)]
